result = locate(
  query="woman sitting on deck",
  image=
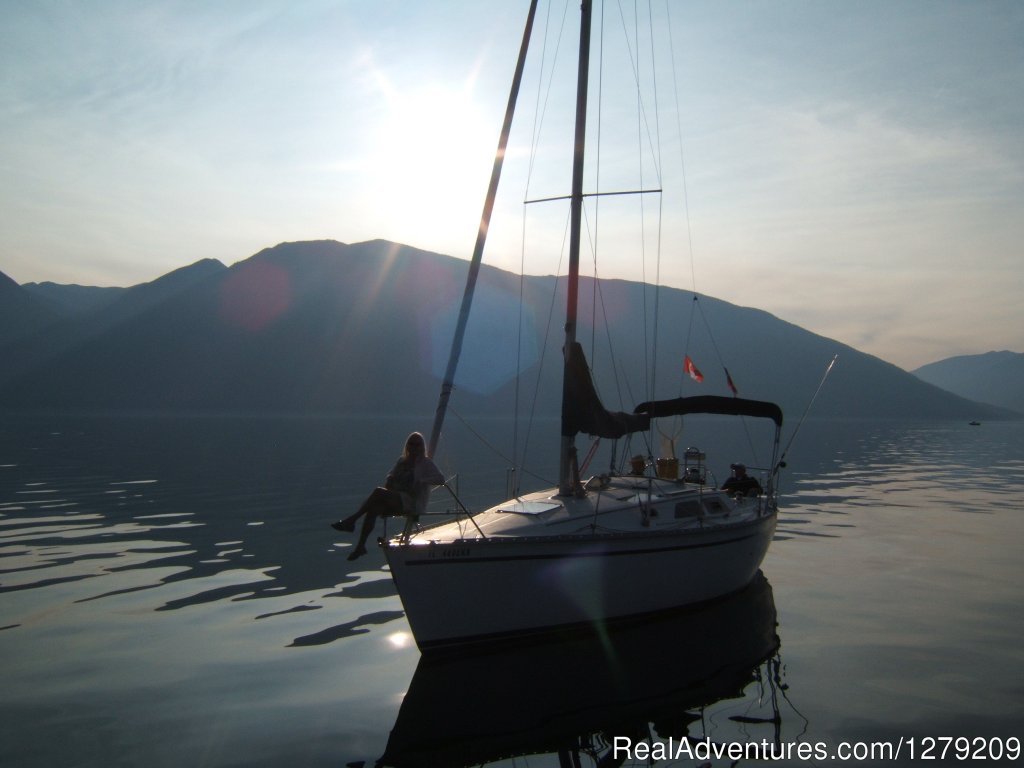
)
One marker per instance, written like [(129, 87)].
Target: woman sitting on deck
[(405, 492)]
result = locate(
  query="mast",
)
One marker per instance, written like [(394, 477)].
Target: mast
[(481, 239), (568, 470)]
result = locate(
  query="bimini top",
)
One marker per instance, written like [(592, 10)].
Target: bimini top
[(729, 406)]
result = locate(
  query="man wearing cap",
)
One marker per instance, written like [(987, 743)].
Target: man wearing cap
[(740, 483)]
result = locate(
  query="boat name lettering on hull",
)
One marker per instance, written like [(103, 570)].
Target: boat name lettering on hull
[(448, 553)]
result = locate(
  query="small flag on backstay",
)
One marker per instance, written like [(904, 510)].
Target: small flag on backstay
[(728, 380), (691, 370)]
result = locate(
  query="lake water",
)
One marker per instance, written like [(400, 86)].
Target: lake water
[(171, 594)]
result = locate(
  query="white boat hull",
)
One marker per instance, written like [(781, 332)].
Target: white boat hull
[(477, 589)]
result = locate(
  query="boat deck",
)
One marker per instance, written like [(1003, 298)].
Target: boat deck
[(614, 505)]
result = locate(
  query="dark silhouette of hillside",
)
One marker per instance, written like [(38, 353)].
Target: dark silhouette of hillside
[(21, 312), (74, 299), (323, 326), (996, 378)]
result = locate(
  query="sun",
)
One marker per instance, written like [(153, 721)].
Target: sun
[(434, 152)]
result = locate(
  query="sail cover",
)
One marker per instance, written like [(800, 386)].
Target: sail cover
[(729, 406), (582, 410)]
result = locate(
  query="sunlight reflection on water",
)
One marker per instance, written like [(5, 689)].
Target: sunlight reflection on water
[(172, 593)]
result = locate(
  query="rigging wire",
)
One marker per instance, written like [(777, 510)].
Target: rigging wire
[(648, 133), (496, 451), (633, 60), (656, 151), (682, 152), (539, 114), (721, 361), (696, 306), (652, 140), (597, 186), (814, 397), (540, 110), (645, 137), (543, 355)]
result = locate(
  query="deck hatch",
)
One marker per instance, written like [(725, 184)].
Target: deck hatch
[(530, 507)]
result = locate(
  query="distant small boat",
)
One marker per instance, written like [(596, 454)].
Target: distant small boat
[(975, 423)]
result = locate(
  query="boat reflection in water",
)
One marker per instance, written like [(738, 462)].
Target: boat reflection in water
[(572, 696)]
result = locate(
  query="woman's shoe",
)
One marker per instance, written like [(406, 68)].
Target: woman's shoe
[(358, 552)]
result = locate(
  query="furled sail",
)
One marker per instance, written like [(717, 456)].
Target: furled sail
[(582, 410)]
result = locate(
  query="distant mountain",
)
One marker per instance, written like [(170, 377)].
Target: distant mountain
[(996, 378), (21, 312), (74, 299), (78, 321), (328, 327)]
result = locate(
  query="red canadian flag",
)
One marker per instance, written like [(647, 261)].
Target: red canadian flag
[(691, 369)]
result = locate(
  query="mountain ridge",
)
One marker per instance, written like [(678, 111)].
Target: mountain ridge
[(994, 377), (323, 326)]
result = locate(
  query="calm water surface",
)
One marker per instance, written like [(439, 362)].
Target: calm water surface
[(170, 594)]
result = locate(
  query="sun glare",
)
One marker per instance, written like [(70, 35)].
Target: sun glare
[(400, 639), (434, 155)]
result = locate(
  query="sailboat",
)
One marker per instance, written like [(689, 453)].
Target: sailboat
[(595, 550)]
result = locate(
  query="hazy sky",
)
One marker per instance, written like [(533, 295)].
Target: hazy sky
[(856, 168)]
